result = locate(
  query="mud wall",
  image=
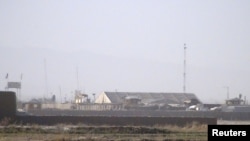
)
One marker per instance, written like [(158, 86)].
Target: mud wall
[(206, 114), (120, 121)]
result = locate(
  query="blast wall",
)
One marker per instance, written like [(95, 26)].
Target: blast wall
[(115, 121), (7, 104), (147, 113)]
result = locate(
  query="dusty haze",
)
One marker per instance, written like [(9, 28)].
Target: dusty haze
[(132, 46)]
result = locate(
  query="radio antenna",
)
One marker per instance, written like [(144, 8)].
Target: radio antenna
[(184, 68)]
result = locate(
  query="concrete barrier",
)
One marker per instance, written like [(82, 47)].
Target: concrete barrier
[(7, 104)]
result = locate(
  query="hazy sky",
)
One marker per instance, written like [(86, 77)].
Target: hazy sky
[(126, 45)]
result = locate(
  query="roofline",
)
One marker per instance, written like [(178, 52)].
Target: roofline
[(146, 92)]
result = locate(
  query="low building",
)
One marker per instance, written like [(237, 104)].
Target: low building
[(38, 104), (33, 104), (147, 100), (234, 101), (81, 97), (236, 104)]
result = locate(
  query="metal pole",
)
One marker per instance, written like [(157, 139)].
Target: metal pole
[(46, 79), (21, 77), (77, 78), (227, 92), (60, 90), (7, 81), (184, 67)]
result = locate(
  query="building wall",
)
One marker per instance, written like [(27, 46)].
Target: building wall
[(128, 113), (102, 98), (61, 106), (73, 106), (31, 106), (99, 107)]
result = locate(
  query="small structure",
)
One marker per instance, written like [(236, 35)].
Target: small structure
[(131, 102), (7, 104), (81, 97), (33, 104), (147, 100), (235, 101), (40, 103), (236, 104)]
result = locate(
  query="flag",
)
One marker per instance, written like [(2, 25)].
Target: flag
[(21, 77), (7, 76)]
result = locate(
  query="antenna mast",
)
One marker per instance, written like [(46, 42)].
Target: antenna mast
[(77, 78), (184, 73), (46, 79)]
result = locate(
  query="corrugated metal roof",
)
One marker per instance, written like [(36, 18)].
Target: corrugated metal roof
[(147, 97)]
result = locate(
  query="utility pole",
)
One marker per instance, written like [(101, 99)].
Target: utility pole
[(46, 80), (227, 88), (77, 79), (60, 91), (94, 97), (227, 92), (21, 77)]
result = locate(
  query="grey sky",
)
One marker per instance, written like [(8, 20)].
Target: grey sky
[(126, 46)]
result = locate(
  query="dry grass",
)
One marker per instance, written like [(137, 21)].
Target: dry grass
[(5, 121), (191, 127), (82, 132)]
